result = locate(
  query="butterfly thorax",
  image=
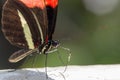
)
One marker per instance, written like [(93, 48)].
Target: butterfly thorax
[(49, 46)]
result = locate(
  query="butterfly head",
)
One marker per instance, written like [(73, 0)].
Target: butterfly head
[(55, 43), (50, 46)]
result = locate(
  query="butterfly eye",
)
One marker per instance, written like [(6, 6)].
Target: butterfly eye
[(55, 43)]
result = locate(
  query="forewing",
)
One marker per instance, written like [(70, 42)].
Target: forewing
[(24, 25)]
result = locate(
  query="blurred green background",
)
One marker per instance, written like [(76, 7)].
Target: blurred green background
[(89, 28)]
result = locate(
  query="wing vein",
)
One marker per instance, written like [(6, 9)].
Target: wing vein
[(41, 33)]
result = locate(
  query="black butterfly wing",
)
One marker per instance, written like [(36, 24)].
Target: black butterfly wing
[(24, 26), (51, 7), (11, 25)]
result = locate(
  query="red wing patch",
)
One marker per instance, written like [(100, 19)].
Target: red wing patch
[(34, 3), (52, 3)]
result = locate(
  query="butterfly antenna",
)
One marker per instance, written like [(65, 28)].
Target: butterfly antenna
[(62, 75), (69, 57), (60, 58), (46, 56)]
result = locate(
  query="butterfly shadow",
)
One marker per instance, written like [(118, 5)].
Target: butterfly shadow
[(24, 75)]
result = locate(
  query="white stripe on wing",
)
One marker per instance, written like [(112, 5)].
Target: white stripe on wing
[(26, 30), (39, 27)]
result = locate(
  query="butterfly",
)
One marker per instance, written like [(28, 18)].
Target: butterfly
[(30, 25)]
